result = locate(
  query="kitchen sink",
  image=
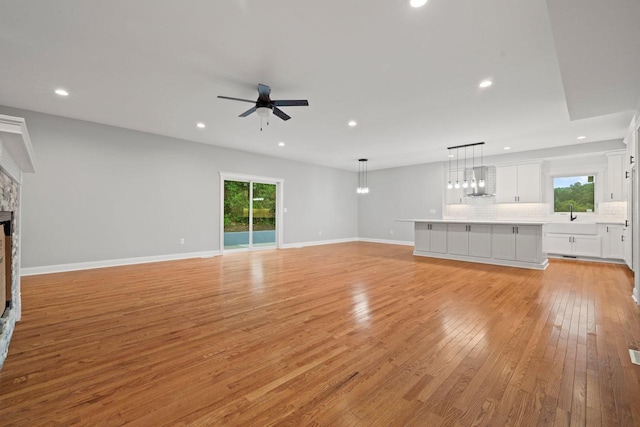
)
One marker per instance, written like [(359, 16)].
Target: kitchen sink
[(571, 227)]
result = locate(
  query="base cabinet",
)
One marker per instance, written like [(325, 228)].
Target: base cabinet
[(469, 239), (500, 244), (431, 237), (574, 245), (520, 243), (612, 241)]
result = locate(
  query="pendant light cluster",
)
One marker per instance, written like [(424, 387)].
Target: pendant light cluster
[(465, 182), (363, 187)]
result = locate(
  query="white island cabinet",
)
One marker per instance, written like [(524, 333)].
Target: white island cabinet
[(508, 243)]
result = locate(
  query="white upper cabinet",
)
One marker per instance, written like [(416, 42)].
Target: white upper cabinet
[(519, 183), (615, 177)]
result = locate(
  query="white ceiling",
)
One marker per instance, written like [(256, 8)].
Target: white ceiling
[(409, 77)]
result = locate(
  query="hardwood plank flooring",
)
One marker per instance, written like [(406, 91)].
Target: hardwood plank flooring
[(353, 334)]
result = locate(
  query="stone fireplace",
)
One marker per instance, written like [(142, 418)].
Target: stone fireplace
[(16, 158), (6, 261)]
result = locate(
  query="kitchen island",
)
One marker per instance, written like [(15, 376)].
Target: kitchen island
[(508, 243)]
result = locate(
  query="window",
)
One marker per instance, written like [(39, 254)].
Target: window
[(578, 191)]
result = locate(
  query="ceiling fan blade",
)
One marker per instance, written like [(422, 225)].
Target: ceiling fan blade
[(278, 112), (264, 91), (249, 111), (236, 99), (291, 103)]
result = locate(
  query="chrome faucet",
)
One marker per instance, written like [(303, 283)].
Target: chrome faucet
[(572, 217)]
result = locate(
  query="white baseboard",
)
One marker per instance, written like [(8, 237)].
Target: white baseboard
[(318, 243), (385, 241), (46, 269), (30, 271)]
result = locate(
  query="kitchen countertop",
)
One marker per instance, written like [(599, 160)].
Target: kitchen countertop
[(471, 221)]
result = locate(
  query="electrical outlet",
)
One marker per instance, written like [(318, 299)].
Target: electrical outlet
[(285, 210), (390, 231), (182, 240), (432, 211), (319, 232)]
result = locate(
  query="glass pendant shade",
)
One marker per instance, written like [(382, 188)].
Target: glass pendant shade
[(363, 187)]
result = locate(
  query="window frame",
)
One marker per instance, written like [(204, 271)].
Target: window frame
[(598, 188)]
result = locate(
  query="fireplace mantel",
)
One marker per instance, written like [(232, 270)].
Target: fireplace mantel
[(16, 151), (16, 158)]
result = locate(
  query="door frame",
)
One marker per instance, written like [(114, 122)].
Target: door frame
[(278, 182)]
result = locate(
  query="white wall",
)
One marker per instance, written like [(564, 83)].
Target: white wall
[(105, 193), (405, 192)]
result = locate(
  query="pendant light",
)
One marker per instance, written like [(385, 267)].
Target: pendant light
[(481, 182), (363, 187), (465, 182), (473, 168), (449, 184), (457, 185)]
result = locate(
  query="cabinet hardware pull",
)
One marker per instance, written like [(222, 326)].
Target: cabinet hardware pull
[(631, 159), (513, 230), (516, 230), (612, 195), (626, 174), (626, 222), (622, 238), (607, 229)]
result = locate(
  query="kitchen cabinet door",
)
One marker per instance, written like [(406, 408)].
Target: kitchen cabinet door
[(527, 243), (584, 245), (454, 196), (439, 238), (615, 180), (480, 240), (503, 242), (458, 239), (627, 242), (529, 183), (612, 241), (506, 184), (422, 237), (560, 244)]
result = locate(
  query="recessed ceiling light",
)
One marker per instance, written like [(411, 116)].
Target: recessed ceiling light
[(507, 148), (582, 137), (353, 123), (485, 83), (281, 144), (417, 3), (61, 92), (201, 125)]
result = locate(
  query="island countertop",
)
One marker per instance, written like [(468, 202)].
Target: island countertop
[(474, 221)]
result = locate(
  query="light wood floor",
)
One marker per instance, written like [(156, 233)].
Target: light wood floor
[(349, 334)]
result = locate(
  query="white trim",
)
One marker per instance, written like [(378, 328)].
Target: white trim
[(318, 243), (16, 144), (587, 259), (635, 296), (505, 263), (385, 241), (46, 269), (278, 182)]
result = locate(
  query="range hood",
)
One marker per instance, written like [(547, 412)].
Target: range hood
[(481, 172)]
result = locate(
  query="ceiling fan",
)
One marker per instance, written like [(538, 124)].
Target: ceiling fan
[(264, 106)]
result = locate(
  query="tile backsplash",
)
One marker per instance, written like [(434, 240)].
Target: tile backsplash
[(486, 208)]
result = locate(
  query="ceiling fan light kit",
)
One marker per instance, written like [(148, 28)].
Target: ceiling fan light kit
[(264, 105)]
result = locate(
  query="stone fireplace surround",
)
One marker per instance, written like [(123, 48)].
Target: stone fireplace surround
[(16, 158)]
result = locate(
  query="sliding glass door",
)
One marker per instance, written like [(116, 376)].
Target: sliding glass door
[(263, 215), (249, 214)]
